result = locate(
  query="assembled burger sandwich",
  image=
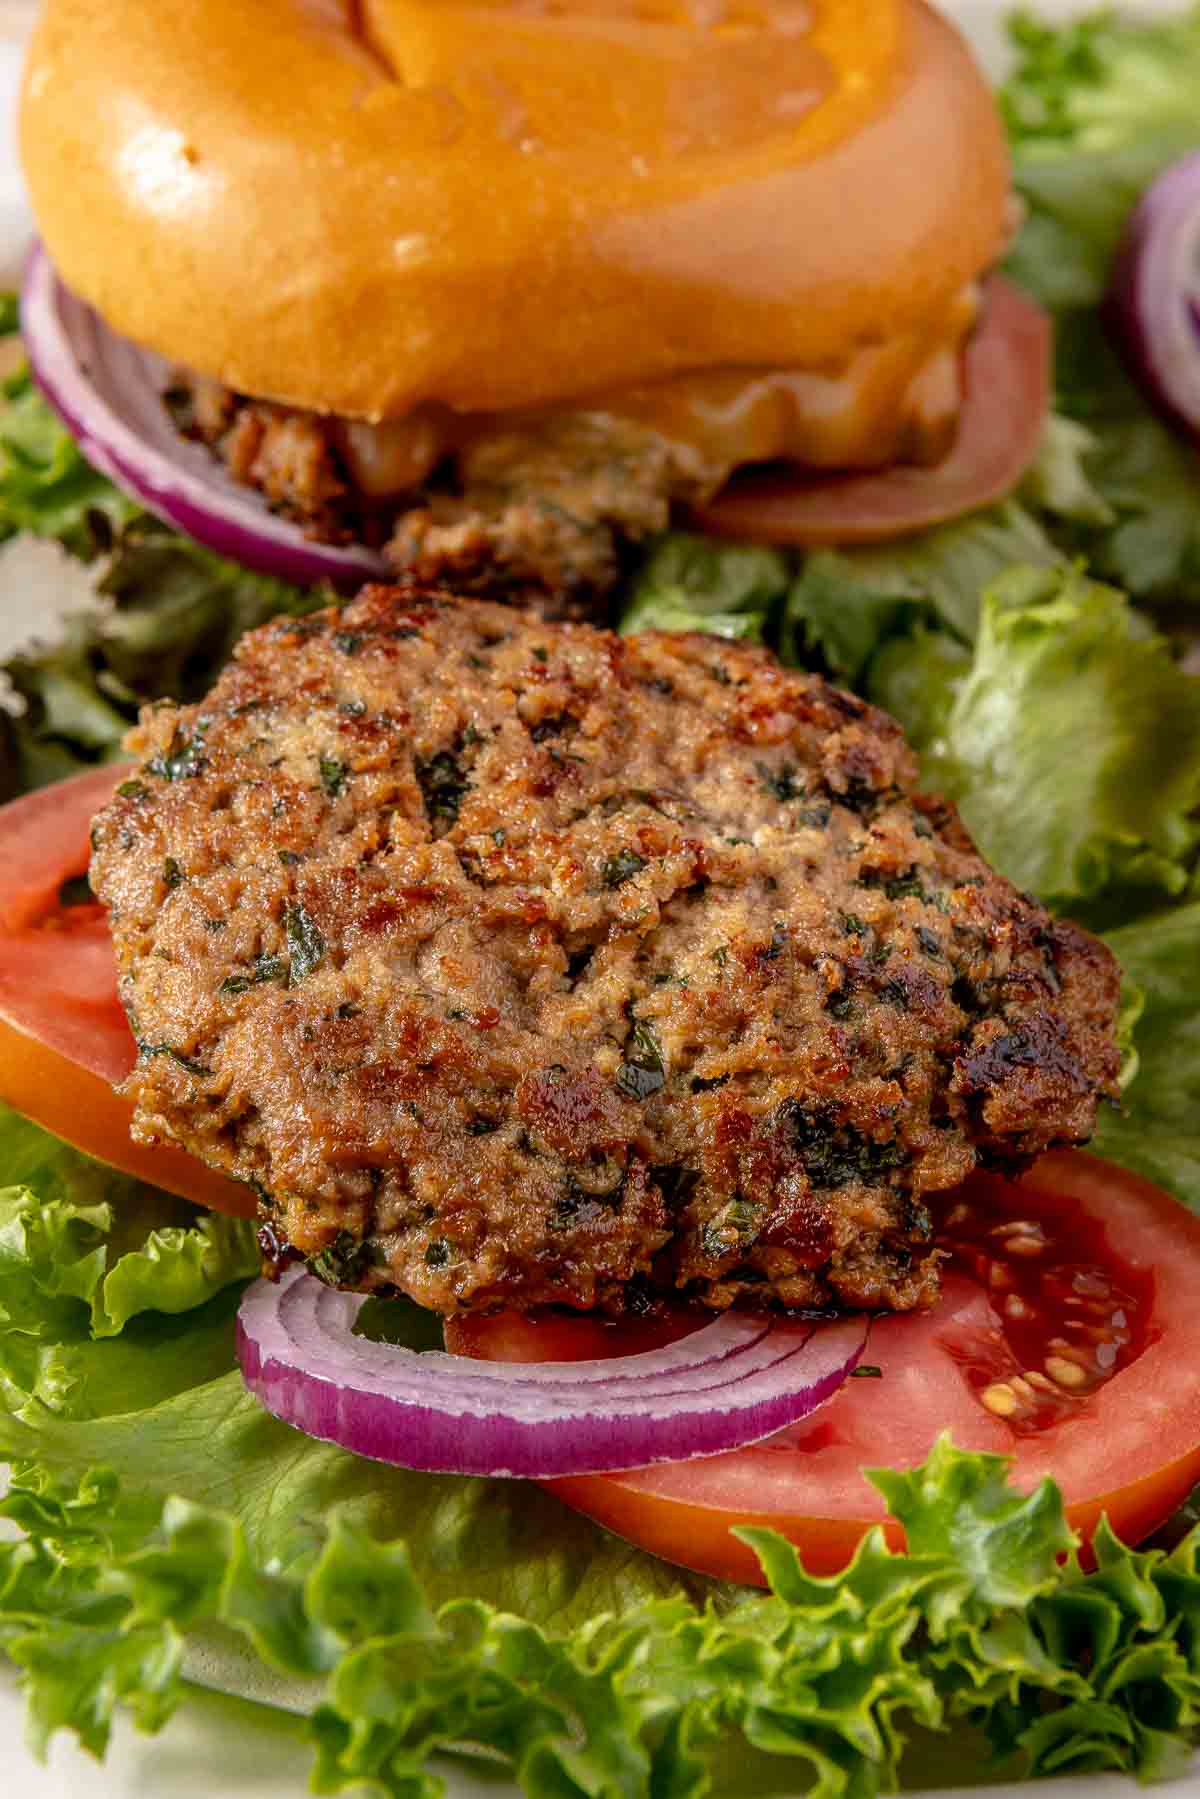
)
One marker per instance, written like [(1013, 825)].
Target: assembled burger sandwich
[(456, 1059), (507, 290)]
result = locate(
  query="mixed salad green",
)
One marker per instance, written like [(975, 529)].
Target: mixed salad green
[(1037, 655)]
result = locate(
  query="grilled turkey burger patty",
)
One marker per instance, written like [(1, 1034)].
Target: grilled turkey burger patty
[(515, 962)]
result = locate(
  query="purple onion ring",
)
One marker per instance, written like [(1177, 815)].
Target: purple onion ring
[(109, 394), (732, 1382), (1154, 294)]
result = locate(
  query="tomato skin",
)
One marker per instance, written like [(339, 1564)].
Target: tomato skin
[(1005, 401), (1130, 1449), (64, 1039)]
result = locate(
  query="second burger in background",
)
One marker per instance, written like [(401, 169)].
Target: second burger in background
[(496, 293)]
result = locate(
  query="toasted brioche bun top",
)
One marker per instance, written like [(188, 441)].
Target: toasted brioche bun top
[(356, 208)]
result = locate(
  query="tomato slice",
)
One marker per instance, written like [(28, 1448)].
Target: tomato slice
[(1127, 1445), (64, 1038), (1005, 399)]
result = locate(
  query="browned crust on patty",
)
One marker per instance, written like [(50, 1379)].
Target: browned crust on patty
[(517, 962)]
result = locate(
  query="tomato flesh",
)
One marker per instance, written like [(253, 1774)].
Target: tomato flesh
[(1006, 394), (64, 1039), (1124, 1439), (1070, 1313)]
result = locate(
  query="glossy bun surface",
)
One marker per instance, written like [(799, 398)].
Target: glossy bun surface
[(360, 208)]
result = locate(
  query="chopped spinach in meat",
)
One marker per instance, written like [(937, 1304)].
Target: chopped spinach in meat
[(333, 775), (622, 867), (443, 784), (642, 1072), (306, 946), (835, 1155), (263, 969), (184, 758)]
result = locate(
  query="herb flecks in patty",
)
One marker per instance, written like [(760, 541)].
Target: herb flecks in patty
[(622, 867), (306, 946), (567, 980), (443, 785), (642, 1072)]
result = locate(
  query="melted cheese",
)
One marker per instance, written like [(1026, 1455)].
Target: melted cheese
[(893, 401)]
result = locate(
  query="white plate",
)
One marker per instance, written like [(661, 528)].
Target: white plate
[(217, 1746)]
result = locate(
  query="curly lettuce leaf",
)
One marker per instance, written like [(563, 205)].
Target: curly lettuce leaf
[(1060, 483), (1134, 514), (833, 607), (70, 1228), (166, 619), (1077, 206), (87, 1254), (1157, 1132), (1146, 475), (1100, 81), (917, 680), (981, 1625), (1071, 742)]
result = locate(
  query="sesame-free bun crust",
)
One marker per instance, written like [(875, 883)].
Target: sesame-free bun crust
[(356, 208)]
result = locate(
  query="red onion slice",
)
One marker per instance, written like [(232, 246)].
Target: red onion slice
[(731, 1382), (1154, 295), (109, 394)]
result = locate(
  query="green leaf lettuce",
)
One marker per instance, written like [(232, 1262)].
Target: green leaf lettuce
[(691, 583), (1070, 740), (167, 614), (845, 604), (88, 1254), (1096, 110), (1157, 1132)]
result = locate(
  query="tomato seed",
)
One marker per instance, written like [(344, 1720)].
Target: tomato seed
[(1000, 1399), (1064, 1373)]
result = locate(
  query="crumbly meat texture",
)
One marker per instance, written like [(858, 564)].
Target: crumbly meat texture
[(534, 512), (518, 963), (289, 455), (546, 507)]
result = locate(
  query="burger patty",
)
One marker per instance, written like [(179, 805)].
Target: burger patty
[(539, 506), (515, 963), (535, 510)]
